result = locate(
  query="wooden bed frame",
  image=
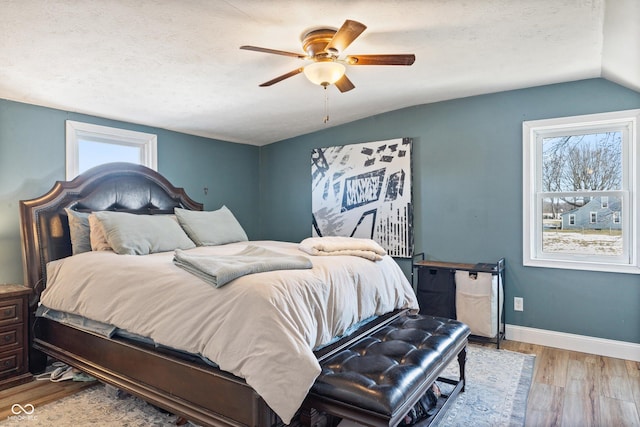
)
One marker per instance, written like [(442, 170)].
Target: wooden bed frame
[(188, 388)]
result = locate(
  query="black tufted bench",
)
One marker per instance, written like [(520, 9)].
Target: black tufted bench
[(380, 377)]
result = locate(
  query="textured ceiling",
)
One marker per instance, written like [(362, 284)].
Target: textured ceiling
[(176, 64)]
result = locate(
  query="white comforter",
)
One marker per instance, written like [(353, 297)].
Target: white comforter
[(261, 327)]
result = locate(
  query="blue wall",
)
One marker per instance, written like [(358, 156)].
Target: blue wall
[(32, 157), (467, 189), (467, 183)]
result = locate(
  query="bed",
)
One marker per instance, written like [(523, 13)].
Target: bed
[(175, 379)]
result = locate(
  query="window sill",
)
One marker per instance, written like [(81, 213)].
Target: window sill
[(586, 266)]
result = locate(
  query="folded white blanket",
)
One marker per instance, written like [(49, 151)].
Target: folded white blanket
[(220, 270), (336, 245)]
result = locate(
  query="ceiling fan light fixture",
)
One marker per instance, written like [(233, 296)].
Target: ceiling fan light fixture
[(324, 73)]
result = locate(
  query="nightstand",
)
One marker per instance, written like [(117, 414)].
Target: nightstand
[(14, 336)]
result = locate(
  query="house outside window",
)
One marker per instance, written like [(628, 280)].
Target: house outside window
[(584, 170), (90, 145)]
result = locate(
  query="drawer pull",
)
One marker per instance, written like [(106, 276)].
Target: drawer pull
[(8, 312), (7, 363), (7, 338)]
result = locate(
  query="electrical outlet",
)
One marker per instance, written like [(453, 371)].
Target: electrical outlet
[(518, 304)]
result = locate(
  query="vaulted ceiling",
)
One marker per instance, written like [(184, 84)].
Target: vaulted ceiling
[(177, 64)]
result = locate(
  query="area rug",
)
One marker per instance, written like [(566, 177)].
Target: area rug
[(498, 383)]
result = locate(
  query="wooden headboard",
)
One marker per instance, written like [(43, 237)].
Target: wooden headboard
[(121, 187)]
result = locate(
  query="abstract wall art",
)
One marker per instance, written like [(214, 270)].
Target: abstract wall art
[(364, 190)]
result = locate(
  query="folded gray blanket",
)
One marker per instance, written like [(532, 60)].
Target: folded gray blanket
[(219, 270)]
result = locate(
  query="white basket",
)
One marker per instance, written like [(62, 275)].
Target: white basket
[(477, 302)]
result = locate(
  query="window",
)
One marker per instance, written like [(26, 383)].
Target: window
[(616, 217), (91, 145), (584, 170)]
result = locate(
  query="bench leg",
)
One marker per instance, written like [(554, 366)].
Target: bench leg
[(462, 360)]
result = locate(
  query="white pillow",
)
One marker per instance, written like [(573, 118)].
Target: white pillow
[(211, 228), (96, 235), (131, 234)]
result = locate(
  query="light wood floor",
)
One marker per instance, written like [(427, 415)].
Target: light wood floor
[(569, 389), (37, 393), (578, 389)]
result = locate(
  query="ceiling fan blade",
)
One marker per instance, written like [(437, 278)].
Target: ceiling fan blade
[(380, 59), (344, 84), (274, 51), (349, 31), (282, 77)]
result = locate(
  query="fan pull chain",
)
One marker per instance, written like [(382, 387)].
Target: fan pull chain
[(326, 105)]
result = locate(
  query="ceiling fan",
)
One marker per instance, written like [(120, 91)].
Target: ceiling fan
[(324, 46)]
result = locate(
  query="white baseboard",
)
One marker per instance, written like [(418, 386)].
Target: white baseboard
[(582, 343)]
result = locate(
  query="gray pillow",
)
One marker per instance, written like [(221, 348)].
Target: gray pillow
[(79, 231), (211, 228), (131, 234)]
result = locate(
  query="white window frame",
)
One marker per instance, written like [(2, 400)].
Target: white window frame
[(75, 131), (532, 134), (604, 202), (593, 217)]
